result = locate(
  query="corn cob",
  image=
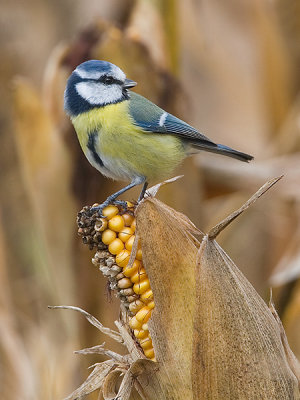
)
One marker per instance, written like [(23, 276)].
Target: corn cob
[(113, 236)]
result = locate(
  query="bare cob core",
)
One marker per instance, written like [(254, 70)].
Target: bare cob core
[(113, 236)]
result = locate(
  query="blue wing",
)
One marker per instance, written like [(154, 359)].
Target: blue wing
[(152, 118)]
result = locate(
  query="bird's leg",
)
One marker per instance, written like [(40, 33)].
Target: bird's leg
[(142, 194), (112, 198)]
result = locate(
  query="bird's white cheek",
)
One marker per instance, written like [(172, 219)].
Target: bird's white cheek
[(98, 93)]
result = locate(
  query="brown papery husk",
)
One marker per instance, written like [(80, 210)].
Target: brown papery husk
[(237, 347), (169, 254), (213, 335)]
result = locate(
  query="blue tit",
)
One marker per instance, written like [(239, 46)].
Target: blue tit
[(125, 136)]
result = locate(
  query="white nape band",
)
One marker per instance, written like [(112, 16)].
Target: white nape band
[(163, 118)]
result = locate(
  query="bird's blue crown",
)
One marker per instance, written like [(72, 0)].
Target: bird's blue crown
[(92, 66)]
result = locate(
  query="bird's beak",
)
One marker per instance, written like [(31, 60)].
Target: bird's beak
[(129, 83)]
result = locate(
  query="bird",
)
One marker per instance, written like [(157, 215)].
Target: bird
[(124, 135)]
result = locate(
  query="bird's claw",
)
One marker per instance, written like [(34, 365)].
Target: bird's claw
[(99, 208), (121, 203)]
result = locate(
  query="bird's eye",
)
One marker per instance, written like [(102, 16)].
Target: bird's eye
[(108, 80)]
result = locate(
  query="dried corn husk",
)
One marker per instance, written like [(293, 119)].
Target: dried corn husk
[(213, 335)]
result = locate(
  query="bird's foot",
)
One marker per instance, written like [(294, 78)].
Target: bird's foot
[(121, 203), (99, 208)]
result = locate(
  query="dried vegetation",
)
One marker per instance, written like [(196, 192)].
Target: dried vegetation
[(232, 71)]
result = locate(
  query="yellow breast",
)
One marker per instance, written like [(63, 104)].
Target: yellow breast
[(122, 145)]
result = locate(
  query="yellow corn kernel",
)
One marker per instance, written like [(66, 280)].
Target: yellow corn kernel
[(135, 306), (141, 287), (145, 327), (124, 283), (147, 296), (139, 276), (116, 223), (134, 323), (139, 254), (123, 257), (129, 242), (151, 305), (133, 225), (153, 359), (143, 314), (149, 353), (108, 236), (116, 246), (140, 333), (101, 225), (128, 219), (110, 211), (146, 343), (129, 271), (125, 233)]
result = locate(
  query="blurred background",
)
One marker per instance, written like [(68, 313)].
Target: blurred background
[(231, 69)]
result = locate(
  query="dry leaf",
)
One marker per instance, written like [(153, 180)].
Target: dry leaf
[(169, 254), (238, 352), (292, 360), (92, 320), (94, 381), (130, 368), (232, 346)]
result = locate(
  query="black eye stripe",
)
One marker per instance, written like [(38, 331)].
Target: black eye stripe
[(108, 80)]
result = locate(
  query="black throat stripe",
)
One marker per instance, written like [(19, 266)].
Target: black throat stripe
[(91, 147)]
